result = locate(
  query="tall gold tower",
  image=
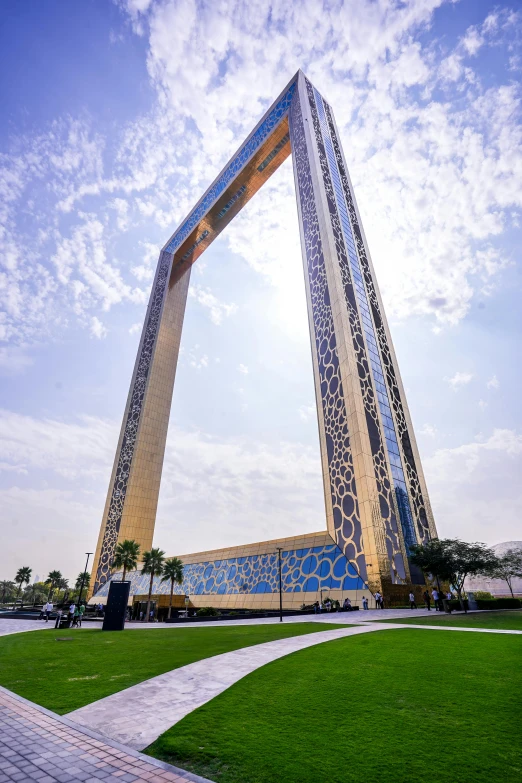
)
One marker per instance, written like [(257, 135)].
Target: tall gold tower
[(376, 499)]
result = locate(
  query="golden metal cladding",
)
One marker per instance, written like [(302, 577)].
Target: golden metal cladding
[(249, 180)]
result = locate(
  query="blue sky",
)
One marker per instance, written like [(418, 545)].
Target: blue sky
[(116, 116)]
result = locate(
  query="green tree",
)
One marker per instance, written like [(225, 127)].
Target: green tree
[(453, 560), (23, 576), (83, 578), (7, 589), (63, 584), (126, 556), (52, 581), (507, 567), (35, 593), (152, 564), (173, 571)]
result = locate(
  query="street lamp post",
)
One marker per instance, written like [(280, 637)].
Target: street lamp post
[(83, 578), (279, 549)]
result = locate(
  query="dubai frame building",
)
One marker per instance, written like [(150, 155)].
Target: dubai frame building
[(375, 494)]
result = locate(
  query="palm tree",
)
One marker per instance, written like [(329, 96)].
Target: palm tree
[(173, 570), (152, 564), (126, 556), (83, 578), (53, 578), (63, 584), (23, 576), (36, 593), (7, 588)]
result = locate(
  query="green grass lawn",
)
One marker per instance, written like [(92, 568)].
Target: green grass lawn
[(509, 620), (401, 706), (66, 675)]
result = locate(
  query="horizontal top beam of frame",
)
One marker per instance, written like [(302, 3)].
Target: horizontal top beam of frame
[(256, 160)]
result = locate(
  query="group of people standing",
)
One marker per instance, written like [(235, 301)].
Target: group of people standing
[(74, 614), (438, 598), (346, 606)]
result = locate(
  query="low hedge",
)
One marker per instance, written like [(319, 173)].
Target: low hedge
[(456, 607), (499, 603), (207, 611)]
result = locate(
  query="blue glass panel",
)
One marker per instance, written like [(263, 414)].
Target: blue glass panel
[(375, 362), (311, 585), (309, 564), (267, 126), (324, 568), (339, 568)]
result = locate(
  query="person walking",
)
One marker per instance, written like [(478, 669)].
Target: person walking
[(378, 600), (413, 605), (435, 596), (365, 602), (71, 613), (427, 600), (75, 618), (48, 609), (81, 611)]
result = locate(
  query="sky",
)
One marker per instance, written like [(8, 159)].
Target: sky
[(116, 116)]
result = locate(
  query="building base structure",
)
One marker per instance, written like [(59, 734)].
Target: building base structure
[(376, 501), (247, 577)]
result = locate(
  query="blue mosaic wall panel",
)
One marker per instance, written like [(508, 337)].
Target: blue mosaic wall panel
[(303, 570)]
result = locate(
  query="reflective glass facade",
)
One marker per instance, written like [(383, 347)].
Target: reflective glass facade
[(392, 446)]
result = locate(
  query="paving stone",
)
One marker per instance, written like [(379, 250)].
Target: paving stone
[(53, 750)]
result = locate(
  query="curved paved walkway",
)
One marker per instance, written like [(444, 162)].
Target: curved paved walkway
[(127, 716)]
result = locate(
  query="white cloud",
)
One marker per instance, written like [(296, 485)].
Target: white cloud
[(429, 430), (13, 360), (420, 130), (242, 368), (137, 327), (217, 309), (84, 447), (493, 382), (449, 169), (122, 209), (97, 328), (472, 41), (307, 412), (196, 361), (450, 68), (145, 270), (459, 379), (218, 481), (475, 488)]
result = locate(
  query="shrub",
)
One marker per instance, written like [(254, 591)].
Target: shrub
[(483, 595), (500, 603), (207, 611)]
